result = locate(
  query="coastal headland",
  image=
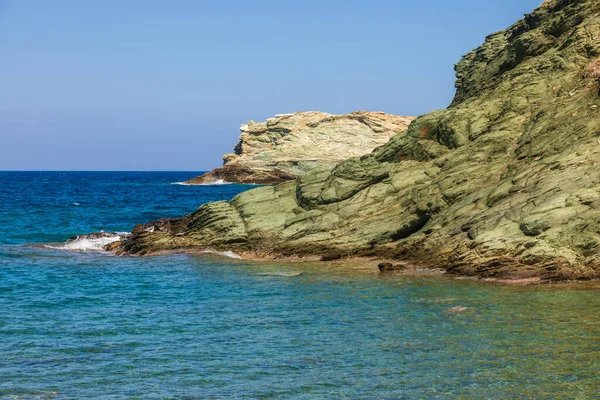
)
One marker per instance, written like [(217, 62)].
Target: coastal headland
[(288, 146), (503, 184)]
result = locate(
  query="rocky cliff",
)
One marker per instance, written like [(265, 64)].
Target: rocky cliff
[(289, 145), (504, 183)]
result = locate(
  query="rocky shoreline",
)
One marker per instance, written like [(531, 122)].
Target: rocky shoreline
[(502, 185), (383, 266)]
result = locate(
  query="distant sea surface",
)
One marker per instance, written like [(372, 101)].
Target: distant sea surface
[(77, 323)]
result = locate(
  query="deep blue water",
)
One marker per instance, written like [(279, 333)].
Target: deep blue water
[(90, 325)]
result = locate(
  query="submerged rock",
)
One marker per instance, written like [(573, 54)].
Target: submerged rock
[(459, 310), (289, 145), (505, 183)]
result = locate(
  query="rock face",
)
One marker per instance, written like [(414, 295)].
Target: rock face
[(504, 183), (289, 145)]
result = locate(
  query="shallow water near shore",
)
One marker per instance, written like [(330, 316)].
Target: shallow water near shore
[(90, 325)]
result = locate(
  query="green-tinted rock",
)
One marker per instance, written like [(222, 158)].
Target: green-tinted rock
[(504, 183)]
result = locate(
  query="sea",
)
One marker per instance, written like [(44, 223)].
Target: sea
[(79, 323)]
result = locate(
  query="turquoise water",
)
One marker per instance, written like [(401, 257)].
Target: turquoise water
[(90, 325)]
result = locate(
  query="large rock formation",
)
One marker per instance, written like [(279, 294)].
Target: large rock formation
[(503, 183), (289, 145)]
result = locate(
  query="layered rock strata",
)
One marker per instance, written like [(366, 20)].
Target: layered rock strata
[(289, 145), (504, 183)]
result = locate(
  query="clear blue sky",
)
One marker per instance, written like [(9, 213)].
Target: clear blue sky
[(164, 85)]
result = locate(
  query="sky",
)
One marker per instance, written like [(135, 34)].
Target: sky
[(164, 85)]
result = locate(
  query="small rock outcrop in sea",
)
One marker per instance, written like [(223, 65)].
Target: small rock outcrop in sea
[(504, 183), (289, 145)]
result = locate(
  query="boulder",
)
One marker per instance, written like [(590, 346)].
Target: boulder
[(389, 267)]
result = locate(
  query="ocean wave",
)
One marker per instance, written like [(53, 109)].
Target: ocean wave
[(217, 182), (93, 242)]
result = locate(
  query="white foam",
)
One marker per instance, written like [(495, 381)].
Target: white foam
[(89, 243), (217, 182)]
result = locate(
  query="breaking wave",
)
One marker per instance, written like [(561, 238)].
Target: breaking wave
[(93, 242)]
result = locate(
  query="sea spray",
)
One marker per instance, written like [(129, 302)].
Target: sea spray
[(92, 242)]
